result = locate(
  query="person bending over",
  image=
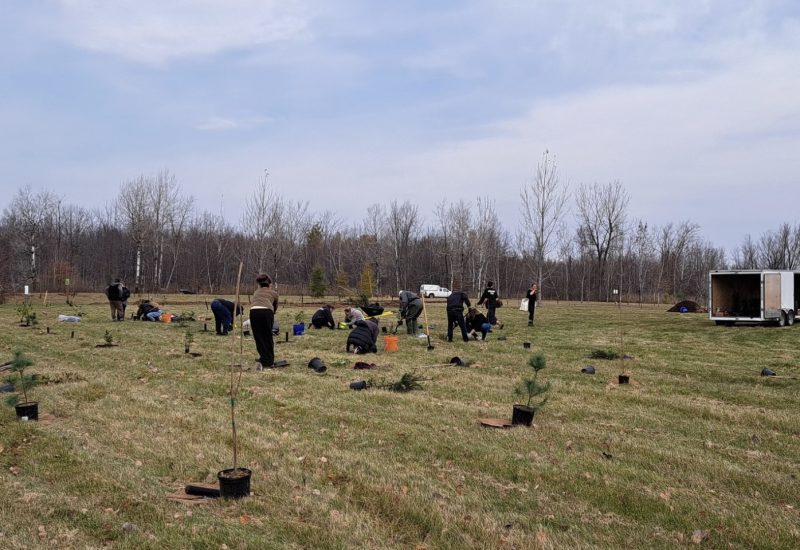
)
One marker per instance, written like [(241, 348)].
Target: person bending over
[(323, 317), (363, 337)]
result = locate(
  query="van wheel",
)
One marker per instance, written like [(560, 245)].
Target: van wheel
[(781, 319), (430, 296)]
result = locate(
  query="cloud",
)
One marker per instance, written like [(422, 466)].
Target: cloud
[(217, 123), (156, 32)]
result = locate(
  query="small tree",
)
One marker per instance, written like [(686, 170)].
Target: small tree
[(317, 286), (188, 338), (108, 338), (26, 314), (531, 387), (342, 281), (26, 381), (366, 284)]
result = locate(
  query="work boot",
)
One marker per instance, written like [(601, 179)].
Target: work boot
[(530, 323)]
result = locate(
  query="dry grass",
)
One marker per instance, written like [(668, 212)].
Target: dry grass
[(698, 442)]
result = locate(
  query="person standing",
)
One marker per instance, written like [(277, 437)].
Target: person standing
[(223, 315), (490, 297), (410, 310), (455, 314), (532, 296), (117, 294), (263, 306)]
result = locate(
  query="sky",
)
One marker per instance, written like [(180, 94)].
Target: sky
[(694, 106)]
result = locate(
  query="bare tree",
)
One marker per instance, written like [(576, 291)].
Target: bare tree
[(544, 205), (601, 215), (32, 215), (402, 227), (132, 204), (257, 222)]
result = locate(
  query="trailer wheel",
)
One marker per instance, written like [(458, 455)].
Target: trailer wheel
[(781, 319), (790, 318)]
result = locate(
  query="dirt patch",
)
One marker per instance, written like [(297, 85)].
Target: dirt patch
[(687, 306)]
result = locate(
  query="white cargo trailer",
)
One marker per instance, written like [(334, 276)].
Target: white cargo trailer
[(753, 296)]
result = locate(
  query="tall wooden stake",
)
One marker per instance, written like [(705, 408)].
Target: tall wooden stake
[(235, 380)]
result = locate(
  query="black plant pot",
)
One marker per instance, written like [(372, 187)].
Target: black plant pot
[(624, 378), (358, 385), (27, 411), (522, 414), (526, 345), (384, 330), (234, 484), (317, 364)]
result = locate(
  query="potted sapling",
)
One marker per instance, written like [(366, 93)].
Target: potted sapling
[(299, 326), (27, 410), (234, 482), (530, 388)]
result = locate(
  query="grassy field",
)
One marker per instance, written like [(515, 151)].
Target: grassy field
[(699, 449)]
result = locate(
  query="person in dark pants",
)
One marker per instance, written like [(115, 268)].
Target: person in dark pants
[(223, 315), (117, 294), (532, 296), (323, 318), (363, 337), (477, 322), (410, 310), (455, 314), (490, 297), (263, 306)]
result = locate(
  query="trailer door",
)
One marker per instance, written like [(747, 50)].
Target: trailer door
[(772, 295), (787, 290)]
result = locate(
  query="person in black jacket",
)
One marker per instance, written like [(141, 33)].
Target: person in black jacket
[(477, 322), (223, 315), (323, 318), (117, 294), (363, 337), (455, 313), (490, 297), (532, 296)]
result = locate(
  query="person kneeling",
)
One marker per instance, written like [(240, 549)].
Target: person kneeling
[(363, 337), (323, 318), (477, 322)]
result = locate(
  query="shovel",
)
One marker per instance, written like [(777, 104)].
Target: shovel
[(427, 327)]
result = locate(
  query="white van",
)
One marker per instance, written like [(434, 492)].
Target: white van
[(434, 291)]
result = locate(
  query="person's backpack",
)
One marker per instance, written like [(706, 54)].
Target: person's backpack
[(113, 292), (125, 293)]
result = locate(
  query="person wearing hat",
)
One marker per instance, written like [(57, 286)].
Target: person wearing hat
[(410, 310)]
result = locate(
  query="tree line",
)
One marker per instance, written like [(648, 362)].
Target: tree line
[(577, 244)]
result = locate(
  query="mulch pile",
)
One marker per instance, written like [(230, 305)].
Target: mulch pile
[(687, 306)]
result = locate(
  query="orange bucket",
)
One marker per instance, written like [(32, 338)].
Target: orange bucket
[(390, 343), (166, 317)]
